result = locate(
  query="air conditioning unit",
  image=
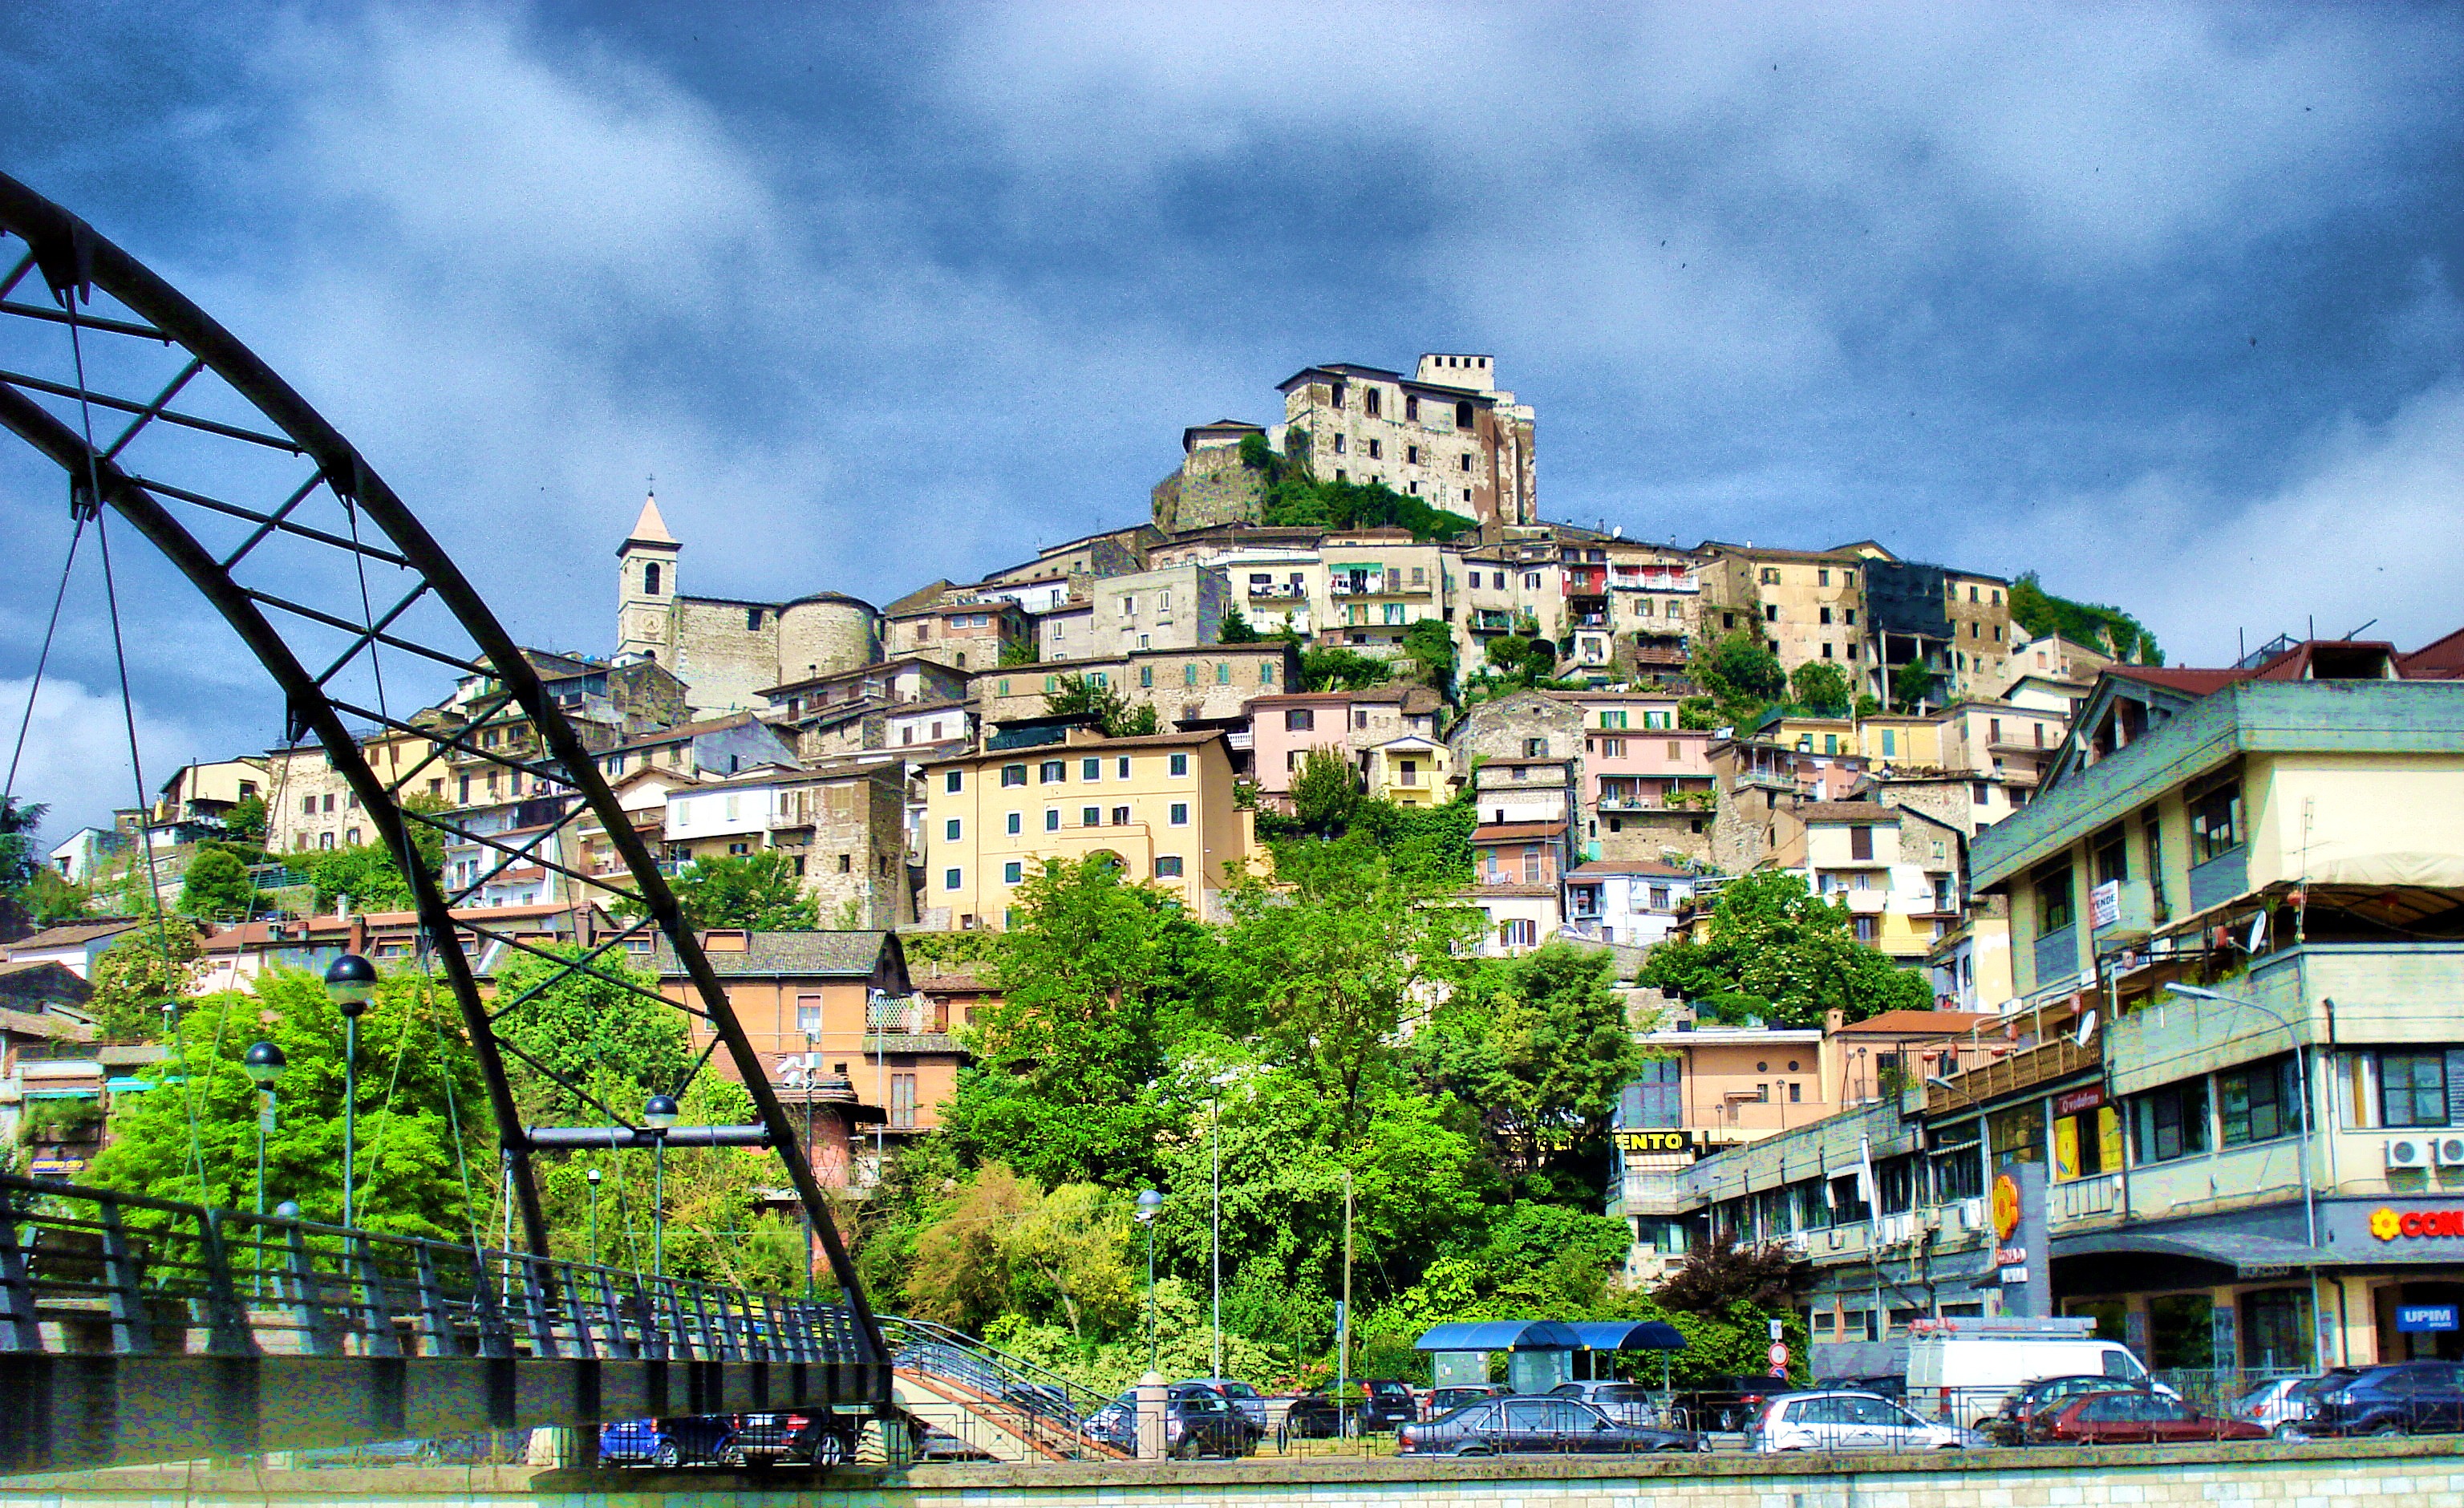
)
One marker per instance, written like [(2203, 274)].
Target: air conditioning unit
[(1971, 1215), (2408, 1151), (1929, 1219), (2450, 1151)]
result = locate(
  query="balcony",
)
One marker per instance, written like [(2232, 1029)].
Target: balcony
[(2059, 1059), (1272, 589)]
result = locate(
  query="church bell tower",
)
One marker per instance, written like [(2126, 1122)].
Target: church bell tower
[(646, 592)]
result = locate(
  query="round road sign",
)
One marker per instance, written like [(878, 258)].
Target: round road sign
[(1778, 1354)]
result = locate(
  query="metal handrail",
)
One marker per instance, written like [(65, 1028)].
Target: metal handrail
[(994, 1376), (87, 1270)]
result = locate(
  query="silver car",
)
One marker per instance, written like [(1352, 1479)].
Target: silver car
[(1844, 1421), (1626, 1403)]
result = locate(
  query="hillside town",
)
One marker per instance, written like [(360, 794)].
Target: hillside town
[(2182, 942)]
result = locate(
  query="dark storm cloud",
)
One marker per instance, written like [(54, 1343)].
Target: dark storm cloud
[(2162, 302)]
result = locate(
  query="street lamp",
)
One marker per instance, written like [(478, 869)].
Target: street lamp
[(2301, 1067), (352, 981), (263, 1064), (659, 1114), (1150, 1204), (593, 1175)]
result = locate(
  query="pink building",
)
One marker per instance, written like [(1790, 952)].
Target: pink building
[(1283, 729), (1639, 771)]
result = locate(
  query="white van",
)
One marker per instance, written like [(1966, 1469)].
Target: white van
[(1962, 1370)]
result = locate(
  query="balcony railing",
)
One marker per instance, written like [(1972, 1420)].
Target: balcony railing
[(2059, 1059)]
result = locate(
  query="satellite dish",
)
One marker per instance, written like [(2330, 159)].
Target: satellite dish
[(2086, 1030), (2257, 934)]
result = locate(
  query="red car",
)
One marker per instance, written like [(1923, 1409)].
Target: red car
[(2134, 1418)]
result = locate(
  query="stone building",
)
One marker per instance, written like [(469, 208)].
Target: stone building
[(1114, 552), (1174, 607), (1212, 487), (958, 627), (843, 826), (1212, 684), (724, 649), (1445, 435)]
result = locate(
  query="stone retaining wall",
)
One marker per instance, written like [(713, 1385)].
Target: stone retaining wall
[(2416, 1474)]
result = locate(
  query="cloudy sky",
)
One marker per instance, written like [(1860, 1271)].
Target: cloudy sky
[(2162, 302)]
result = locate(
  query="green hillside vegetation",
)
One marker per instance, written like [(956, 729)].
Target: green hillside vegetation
[(2110, 629), (1296, 499)]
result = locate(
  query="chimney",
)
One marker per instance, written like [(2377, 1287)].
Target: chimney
[(1832, 1020)]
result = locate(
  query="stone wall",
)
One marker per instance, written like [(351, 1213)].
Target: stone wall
[(2399, 1471)]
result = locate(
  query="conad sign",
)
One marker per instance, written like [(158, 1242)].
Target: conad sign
[(2389, 1225)]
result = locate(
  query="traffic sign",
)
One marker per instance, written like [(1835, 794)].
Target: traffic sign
[(1778, 1354)]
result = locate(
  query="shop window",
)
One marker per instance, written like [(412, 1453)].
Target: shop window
[(2169, 1122), (2263, 1102)]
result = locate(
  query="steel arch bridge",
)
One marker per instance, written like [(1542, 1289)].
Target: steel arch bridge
[(159, 418)]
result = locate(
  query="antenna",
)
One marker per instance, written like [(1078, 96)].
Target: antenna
[(2086, 1030)]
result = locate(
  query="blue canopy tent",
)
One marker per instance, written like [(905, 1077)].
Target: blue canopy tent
[(1540, 1353)]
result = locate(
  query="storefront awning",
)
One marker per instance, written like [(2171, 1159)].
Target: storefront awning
[(2248, 1255)]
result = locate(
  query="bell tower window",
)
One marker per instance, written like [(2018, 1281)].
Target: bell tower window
[(651, 579)]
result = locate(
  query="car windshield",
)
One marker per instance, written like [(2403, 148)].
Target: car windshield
[(1240, 1390), (1209, 1402)]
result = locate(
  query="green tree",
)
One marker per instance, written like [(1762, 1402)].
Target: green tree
[(246, 820), (1911, 685), (1018, 652), (1521, 658), (1741, 675), (1821, 687), (1085, 695), (1098, 976), (1539, 1047), (1430, 642), (618, 1044), (2114, 631), (760, 890), (1004, 1246), (1782, 954), (147, 970), (1325, 791), (1337, 954), (201, 1117), (1338, 669), (1868, 705), (217, 888), (1235, 628), (368, 872)]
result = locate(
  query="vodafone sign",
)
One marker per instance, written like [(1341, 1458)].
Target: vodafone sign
[(2393, 1224)]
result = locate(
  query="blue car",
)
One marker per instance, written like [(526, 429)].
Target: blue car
[(691, 1440)]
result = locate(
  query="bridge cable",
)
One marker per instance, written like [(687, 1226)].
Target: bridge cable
[(68, 297), (8, 793)]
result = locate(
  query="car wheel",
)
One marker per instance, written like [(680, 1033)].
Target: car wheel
[(2289, 1432), (1185, 1451), (829, 1450), (2391, 1427), (666, 1457), (1474, 1447)]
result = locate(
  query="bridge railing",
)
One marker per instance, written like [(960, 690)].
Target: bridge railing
[(991, 1390), (93, 1271)]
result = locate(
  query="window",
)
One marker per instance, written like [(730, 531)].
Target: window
[(1368, 402), (1299, 719), (1377, 450), (949, 879), (1013, 775), (808, 1014), (1224, 673), (752, 619), (1825, 615), (1120, 817), (1659, 898), (2215, 821), (1189, 674), (1518, 933), (1180, 765), (2169, 1122), (1411, 452), (1536, 749), (1611, 719), (1770, 576), (1860, 844), (2262, 1102), (650, 580), (1866, 929), (902, 1100), (953, 780), (1181, 813), (1266, 673), (1167, 866), (1054, 771), (1890, 742), (1770, 613), (1848, 616), (1016, 823), (1013, 872), (1338, 445), (2412, 1089), (1052, 819), (1463, 421), (1090, 769), (2056, 904), (1612, 748), (1146, 675), (1090, 817)]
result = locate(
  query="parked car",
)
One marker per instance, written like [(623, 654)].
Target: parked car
[(688, 1440), (1196, 1421), (1965, 1377), (1626, 1403), (2404, 1398), (815, 1437), (1731, 1403), (1534, 1425), (1886, 1385), (2134, 1418), (1453, 1396), (1251, 1403), (1382, 1406), (2284, 1404), (1845, 1421), (2009, 1424)]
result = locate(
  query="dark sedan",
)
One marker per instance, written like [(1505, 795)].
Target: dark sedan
[(1382, 1406), (2133, 1418), (1525, 1426), (2008, 1425), (1196, 1421), (2404, 1398)]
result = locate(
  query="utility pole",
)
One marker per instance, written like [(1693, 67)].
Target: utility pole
[(1343, 1330), (1215, 1250)]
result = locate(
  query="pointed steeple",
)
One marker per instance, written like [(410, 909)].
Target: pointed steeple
[(649, 528)]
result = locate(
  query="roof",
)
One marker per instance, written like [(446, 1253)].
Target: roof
[(1845, 555), (689, 730), (74, 935), (1950, 1023), (1477, 891), (917, 601), (649, 528), (1629, 1334), (1500, 1335), (843, 955), (2439, 659), (1189, 435), (1813, 812), (1510, 831), (1603, 868)]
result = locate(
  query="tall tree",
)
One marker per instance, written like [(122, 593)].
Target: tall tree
[(1741, 675), (1821, 687), (141, 976), (1339, 668), (1911, 685), (1325, 791), (1235, 628), (1113, 716), (217, 888), (1780, 953), (760, 890), (1431, 644), (616, 1043), (1538, 1047)]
